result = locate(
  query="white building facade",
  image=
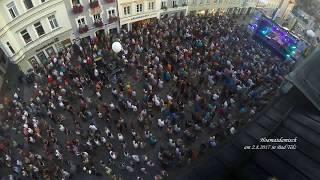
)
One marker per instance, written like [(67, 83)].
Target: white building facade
[(133, 13), (231, 6), (92, 18), (31, 31)]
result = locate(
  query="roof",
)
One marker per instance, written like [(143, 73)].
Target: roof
[(306, 77), (289, 116)]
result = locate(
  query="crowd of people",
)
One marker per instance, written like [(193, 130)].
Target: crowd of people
[(178, 88)]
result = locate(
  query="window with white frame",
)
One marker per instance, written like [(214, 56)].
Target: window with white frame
[(13, 10), (151, 5), (139, 8), (81, 22), (126, 10), (10, 47), (26, 36), (111, 13), (53, 22), (97, 17), (39, 29), (28, 4)]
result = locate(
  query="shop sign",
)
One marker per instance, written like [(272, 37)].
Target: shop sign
[(140, 17)]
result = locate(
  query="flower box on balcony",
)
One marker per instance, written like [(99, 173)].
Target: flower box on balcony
[(94, 4), (98, 23), (112, 19), (83, 29), (164, 8), (110, 1), (77, 8)]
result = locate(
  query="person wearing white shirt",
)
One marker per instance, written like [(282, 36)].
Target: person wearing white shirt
[(61, 128), (232, 130), (93, 127)]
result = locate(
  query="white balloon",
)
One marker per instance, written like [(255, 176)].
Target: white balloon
[(116, 47)]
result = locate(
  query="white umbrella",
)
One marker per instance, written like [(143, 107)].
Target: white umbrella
[(116, 47), (310, 33)]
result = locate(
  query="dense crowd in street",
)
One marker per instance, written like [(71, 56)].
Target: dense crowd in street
[(179, 87)]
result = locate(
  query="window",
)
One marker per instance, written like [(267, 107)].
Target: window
[(163, 4), (50, 51), (151, 5), (28, 4), (42, 57), (43, 1), (174, 3), (12, 10), (39, 29), (111, 13), (81, 22), (96, 17), (126, 10), (26, 36), (53, 22), (139, 8), (10, 47), (75, 2)]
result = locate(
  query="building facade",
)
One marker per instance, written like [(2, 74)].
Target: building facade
[(230, 6), (284, 10), (173, 7), (133, 14), (3, 65), (33, 30), (92, 18)]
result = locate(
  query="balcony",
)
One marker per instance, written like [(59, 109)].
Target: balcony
[(94, 4), (110, 1), (113, 19), (77, 8), (98, 23), (83, 29)]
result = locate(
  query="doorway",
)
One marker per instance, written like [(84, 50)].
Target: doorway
[(43, 58), (100, 34)]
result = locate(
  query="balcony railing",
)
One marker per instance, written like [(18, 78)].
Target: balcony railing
[(98, 23), (112, 19), (83, 29), (94, 4), (110, 1), (77, 8)]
